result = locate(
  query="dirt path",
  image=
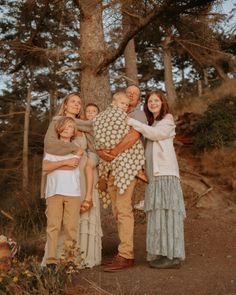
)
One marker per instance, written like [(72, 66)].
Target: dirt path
[(210, 266), (210, 239)]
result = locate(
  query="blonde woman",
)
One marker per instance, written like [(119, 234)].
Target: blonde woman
[(89, 229)]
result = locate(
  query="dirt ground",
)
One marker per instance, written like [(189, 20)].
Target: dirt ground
[(210, 239), (209, 268)]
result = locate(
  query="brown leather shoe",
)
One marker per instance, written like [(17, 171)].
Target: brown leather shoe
[(107, 261), (118, 263)]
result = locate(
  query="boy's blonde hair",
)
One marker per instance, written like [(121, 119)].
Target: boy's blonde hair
[(116, 96), (60, 126)]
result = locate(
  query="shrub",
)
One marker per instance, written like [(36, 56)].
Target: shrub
[(28, 278), (216, 127), (221, 164)]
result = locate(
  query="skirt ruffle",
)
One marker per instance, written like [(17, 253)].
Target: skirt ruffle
[(164, 206), (164, 192)]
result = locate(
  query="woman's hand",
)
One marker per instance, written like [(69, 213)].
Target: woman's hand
[(73, 162), (80, 152), (105, 155)]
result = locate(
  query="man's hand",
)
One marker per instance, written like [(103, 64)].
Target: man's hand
[(127, 142), (105, 155)]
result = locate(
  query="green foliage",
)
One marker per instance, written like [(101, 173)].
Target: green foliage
[(216, 127)]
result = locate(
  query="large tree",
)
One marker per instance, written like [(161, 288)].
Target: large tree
[(95, 53)]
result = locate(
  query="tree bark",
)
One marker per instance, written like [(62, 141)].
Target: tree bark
[(205, 78), (221, 73), (96, 56), (199, 87), (169, 84), (25, 171), (53, 103), (131, 70), (94, 87)]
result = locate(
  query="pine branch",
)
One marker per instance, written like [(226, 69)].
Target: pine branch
[(190, 52), (12, 114), (32, 37), (204, 47), (110, 4), (168, 9), (65, 69)]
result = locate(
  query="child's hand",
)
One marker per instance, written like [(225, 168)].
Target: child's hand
[(80, 152), (73, 162), (126, 119)]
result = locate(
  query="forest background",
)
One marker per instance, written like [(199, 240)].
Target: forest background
[(51, 48)]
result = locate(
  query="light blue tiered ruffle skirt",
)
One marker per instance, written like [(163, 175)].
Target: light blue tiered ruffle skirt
[(164, 206)]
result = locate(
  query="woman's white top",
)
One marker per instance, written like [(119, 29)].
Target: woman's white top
[(62, 182), (162, 135)]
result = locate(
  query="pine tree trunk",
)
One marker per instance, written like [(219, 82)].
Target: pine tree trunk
[(199, 87), (25, 172), (131, 70), (183, 88), (205, 78), (169, 84), (221, 73), (94, 87), (53, 103)]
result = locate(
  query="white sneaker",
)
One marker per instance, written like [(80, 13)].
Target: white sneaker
[(139, 206)]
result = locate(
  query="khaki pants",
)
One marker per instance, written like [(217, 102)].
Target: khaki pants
[(123, 213), (62, 210)]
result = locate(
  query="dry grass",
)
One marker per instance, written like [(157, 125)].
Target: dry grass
[(221, 163), (200, 104)]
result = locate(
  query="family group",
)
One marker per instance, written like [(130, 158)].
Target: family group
[(83, 146)]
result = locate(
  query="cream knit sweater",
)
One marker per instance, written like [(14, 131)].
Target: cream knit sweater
[(162, 135)]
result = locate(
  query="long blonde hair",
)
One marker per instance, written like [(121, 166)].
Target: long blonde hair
[(61, 124), (61, 110)]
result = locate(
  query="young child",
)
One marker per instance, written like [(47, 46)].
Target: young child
[(62, 194), (122, 101), (109, 129), (91, 111)]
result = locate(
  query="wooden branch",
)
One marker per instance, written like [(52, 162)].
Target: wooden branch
[(11, 159), (96, 287), (18, 45), (204, 47), (32, 37), (125, 77), (12, 114), (10, 169), (7, 215), (169, 8), (199, 197), (202, 178), (113, 54), (130, 14), (110, 4), (65, 69), (190, 52)]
